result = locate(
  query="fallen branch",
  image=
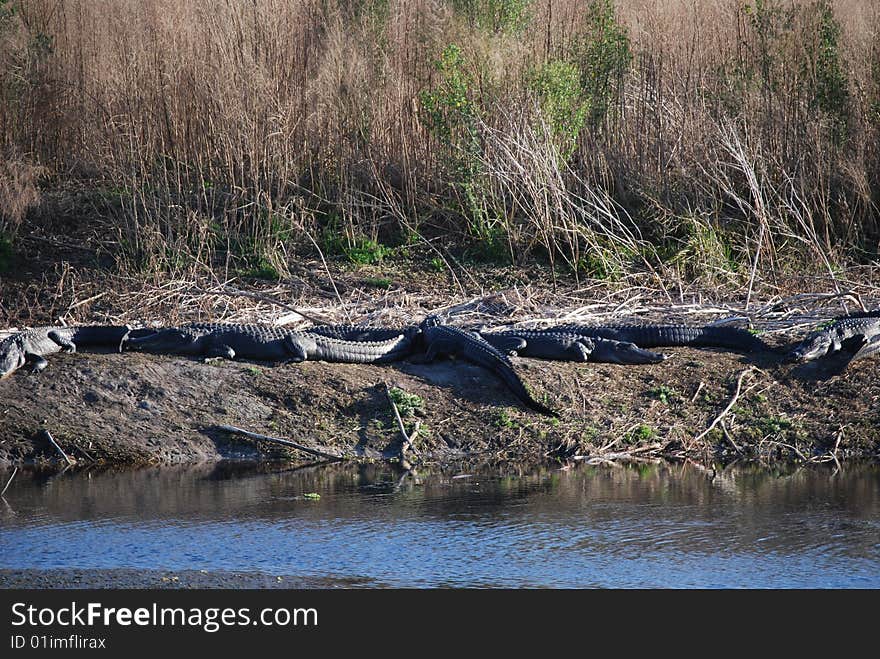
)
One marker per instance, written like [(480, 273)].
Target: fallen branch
[(406, 444), (730, 405), (836, 445), (85, 453), (47, 435), (228, 290), (9, 482), (728, 437), (796, 450), (284, 442)]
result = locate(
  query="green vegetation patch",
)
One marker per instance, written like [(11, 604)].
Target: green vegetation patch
[(640, 434), (408, 404), (663, 393), (502, 419), (378, 282)]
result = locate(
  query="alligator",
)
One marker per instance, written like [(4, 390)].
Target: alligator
[(656, 336), (569, 347), (31, 346), (857, 335), (265, 343), (360, 332), (446, 339)]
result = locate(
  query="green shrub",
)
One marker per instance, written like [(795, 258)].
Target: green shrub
[(495, 15), (448, 110), (365, 251), (603, 54), (831, 85), (564, 105), (452, 116)]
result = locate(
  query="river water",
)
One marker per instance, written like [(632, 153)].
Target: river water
[(668, 526)]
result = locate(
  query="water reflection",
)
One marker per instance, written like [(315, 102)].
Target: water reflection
[(651, 526)]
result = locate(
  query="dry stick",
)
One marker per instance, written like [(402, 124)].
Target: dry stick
[(86, 301), (793, 448), (45, 433), (285, 442), (727, 409), (9, 482), (836, 444), (226, 290), (85, 453), (728, 437), (327, 269), (406, 444)]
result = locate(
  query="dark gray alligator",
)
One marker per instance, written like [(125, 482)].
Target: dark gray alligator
[(446, 339), (564, 346), (857, 335), (656, 336), (31, 346), (265, 343), (360, 332)]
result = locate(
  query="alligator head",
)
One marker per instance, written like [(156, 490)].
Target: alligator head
[(623, 352), (11, 355), (817, 344), (171, 340)]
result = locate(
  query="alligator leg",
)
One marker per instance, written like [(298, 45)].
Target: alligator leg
[(853, 344), (580, 351), (297, 351), (37, 363), (509, 345), (219, 351), (440, 347), (871, 347), (66, 344)]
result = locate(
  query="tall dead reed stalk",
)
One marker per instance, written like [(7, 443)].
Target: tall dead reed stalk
[(695, 138)]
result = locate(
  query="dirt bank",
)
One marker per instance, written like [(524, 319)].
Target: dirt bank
[(136, 409)]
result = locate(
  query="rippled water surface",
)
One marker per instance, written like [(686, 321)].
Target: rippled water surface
[(651, 526)]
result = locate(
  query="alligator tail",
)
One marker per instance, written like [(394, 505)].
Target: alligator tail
[(679, 335), (364, 352), (481, 352), (518, 387)]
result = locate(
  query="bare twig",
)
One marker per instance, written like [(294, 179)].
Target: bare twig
[(837, 444), (727, 436), (86, 301), (85, 453), (326, 267), (226, 290), (796, 450), (406, 444), (9, 482), (730, 405), (47, 435), (284, 442)]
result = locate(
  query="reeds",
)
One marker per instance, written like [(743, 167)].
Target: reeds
[(721, 141)]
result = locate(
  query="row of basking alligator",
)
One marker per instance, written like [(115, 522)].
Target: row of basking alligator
[(856, 335)]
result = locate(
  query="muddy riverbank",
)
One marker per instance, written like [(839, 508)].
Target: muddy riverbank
[(144, 409)]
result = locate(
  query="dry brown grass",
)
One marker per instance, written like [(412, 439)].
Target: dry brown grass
[(218, 132)]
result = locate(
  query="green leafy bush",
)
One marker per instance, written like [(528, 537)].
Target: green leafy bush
[(563, 103)]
